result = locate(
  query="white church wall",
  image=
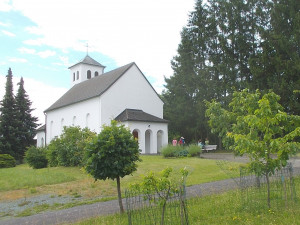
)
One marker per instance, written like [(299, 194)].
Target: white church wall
[(153, 129), (131, 91), (40, 139), (83, 114)]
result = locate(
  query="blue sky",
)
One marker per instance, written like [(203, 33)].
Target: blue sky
[(40, 39)]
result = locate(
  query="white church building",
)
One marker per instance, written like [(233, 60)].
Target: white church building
[(96, 98)]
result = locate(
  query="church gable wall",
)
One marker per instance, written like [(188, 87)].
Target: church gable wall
[(131, 91)]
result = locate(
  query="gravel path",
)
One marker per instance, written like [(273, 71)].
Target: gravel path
[(110, 207)]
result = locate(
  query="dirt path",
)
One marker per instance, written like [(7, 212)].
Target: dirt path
[(225, 156)]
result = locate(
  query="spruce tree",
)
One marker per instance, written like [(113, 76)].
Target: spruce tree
[(180, 91), (9, 125), (227, 46), (276, 66), (28, 123)]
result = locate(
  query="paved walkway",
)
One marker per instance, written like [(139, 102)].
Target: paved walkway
[(110, 207)]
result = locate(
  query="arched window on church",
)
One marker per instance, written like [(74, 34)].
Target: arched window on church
[(74, 121), (87, 120), (77, 75), (42, 142), (51, 130), (89, 74), (62, 123), (96, 73), (73, 76)]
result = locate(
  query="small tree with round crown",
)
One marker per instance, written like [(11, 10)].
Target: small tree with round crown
[(112, 155)]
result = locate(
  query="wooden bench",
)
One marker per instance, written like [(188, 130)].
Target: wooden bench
[(209, 147)]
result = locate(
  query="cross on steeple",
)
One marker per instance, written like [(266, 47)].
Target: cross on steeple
[(87, 48)]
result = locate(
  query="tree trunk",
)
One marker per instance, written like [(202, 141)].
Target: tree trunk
[(220, 143), (268, 187), (162, 222), (119, 195)]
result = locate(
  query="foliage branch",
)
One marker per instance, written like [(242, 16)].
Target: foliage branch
[(257, 126)]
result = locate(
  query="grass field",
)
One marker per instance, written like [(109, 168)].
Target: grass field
[(226, 208), (23, 181)]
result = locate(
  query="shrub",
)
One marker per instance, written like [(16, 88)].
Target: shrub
[(69, 148), (179, 151), (182, 153), (52, 152), (194, 150), (171, 151), (168, 151), (7, 161), (36, 157)]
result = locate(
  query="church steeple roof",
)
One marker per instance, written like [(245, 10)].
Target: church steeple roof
[(88, 60)]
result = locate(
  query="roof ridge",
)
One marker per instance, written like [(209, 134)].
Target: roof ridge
[(75, 94), (138, 115)]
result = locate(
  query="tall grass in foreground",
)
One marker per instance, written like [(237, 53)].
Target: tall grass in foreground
[(226, 208)]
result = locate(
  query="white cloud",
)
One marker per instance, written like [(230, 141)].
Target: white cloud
[(21, 60), (4, 24), (5, 6), (33, 30), (7, 33), (35, 42), (42, 54), (65, 61), (147, 32), (41, 94), (27, 50), (46, 54)]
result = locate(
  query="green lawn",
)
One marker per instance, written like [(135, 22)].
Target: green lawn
[(22, 182), (200, 170), (22, 176)]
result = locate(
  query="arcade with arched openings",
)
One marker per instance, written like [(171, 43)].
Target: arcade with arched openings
[(160, 136)]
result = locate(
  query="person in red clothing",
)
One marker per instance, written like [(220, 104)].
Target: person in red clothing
[(174, 142), (181, 141)]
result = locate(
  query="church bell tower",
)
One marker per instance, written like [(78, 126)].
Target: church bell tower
[(85, 69)]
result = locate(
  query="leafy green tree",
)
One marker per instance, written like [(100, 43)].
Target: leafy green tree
[(258, 127), (68, 149), (28, 123), (112, 155), (9, 123)]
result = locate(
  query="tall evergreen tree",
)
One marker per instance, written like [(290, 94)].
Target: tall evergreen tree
[(276, 66), (180, 91), (230, 45), (28, 123), (9, 125)]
